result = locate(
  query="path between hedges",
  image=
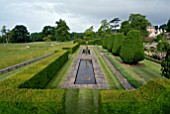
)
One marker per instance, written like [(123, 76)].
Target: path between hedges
[(122, 80), (82, 101)]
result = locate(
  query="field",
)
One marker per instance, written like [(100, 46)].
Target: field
[(12, 54), (79, 101)]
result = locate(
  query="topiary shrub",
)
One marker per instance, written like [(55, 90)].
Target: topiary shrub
[(132, 50), (110, 42), (117, 44), (105, 41)]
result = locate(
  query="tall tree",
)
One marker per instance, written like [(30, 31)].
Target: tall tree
[(168, 26), (49, 30), (136, 22), (125, 27), (166, 65), (89, 34), (104, 29), (34, 37), (115, 24), (62, 31), (163, 27), (5, 34), (20, 34)]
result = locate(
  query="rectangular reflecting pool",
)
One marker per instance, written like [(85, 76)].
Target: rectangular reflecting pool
[(85, 73)]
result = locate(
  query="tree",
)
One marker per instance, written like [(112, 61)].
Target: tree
[(34, 37), (47, 38), (162, 46), (20, 34), (132, 49), (136, 22), (5, 34), (111, 42), (125, 27), (62, 31), (165, 64), (89, 34), (168, 26), (117, 43), (115, 22), (104, 29), (49, 30), (163, 27)]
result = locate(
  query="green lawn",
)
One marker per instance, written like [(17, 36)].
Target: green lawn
[(110, 76), (146, 71), (11, 54)]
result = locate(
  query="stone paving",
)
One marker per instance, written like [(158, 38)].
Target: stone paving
[(101, 82)]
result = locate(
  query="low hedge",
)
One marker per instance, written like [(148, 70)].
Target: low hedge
[(153, 98), (72, 49), (31, 101), (14, 100), (38, 75)]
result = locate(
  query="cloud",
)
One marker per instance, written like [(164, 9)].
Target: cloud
[(79, 14)]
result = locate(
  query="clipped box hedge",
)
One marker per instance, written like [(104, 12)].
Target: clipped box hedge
[(14, 100), (38, 75), (31, 101), (152, 98), (72, 49)]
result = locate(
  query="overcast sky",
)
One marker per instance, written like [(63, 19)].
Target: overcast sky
[(78, 14)]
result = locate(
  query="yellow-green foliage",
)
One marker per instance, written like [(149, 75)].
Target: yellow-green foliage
[(71, 49), (147, 98), (34, 101), (38, 75), (24, 101)]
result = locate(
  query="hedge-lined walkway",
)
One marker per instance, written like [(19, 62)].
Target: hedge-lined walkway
[(122, 80)]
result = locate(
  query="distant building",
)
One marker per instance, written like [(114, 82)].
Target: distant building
[(152, 32)]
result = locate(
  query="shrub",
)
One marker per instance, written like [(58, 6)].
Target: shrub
[(95, 42), (105, 41), (153, 97), (19, 101), (117, 44), (71, 49), (80, 41), (110, 42), (132, 50)]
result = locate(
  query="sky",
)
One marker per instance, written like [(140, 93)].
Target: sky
[(78, 14)]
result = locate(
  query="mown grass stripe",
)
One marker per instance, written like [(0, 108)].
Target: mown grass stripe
[(71, 101), (85, 102), (110, 76)]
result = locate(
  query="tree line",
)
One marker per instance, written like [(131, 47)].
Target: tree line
[(20, 34)]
